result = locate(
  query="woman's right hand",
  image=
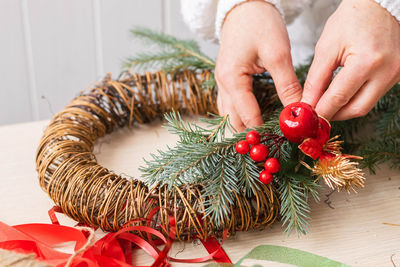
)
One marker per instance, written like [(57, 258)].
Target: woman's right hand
[(254, 39)]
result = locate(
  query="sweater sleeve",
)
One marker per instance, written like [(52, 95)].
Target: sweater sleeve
[(199, 15), (205, 17), (393, 6)]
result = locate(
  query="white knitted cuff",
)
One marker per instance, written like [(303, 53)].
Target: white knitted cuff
[(224, 6), (393, 6)]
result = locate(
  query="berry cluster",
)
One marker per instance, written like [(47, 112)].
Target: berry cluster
[(260, 152), (298, 122)]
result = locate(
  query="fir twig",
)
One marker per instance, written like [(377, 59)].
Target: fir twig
[(379, 151), (208, 157), (222, 184), (188, 133), (248, 173), (296, 184), (172, 54), (294, 207)]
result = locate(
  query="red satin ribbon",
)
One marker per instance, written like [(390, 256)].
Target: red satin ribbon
[(114, 249), (214, 248)]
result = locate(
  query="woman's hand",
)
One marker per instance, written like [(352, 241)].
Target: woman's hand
[(364, 38), (254, 39)]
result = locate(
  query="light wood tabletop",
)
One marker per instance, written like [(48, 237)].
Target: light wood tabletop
[(358, 229)]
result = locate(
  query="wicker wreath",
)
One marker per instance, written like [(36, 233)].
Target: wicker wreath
[(91, 194)]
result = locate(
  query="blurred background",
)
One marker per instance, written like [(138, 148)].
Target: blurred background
[(52, 49)]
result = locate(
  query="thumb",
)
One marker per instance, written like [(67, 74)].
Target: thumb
[(287, 85)]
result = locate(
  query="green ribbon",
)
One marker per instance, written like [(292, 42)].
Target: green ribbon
[(286, 255)]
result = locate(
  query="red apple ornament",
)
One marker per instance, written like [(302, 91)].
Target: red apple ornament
[(259, 152), (298, 121)]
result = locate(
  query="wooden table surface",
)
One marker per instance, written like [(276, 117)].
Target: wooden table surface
[(353, 231)]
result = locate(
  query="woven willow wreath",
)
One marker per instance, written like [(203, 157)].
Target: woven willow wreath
[(91, 194)]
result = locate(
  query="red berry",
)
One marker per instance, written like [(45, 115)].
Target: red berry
[(253, 137), (298, 121), (266, 177), (259, 152), (272, 165), (242, 147)]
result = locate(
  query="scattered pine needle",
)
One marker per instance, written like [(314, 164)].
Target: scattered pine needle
[(391, 224)]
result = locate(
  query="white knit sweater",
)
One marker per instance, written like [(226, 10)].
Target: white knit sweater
[(205, 17)]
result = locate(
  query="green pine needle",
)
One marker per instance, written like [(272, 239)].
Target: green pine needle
[(295, 210), (376, 152), (248, 171), (172, 54)]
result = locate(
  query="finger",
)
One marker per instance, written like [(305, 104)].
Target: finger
[(319, 76), (219, 103), (343, 87), (287, 85), (364, 100), (355, 108), (234, 118), (244, 101), (227, 108)]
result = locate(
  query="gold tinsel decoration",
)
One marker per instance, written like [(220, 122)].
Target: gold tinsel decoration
[(339, 172), (92, 194)]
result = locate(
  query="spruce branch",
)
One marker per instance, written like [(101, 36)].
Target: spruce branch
[(296, 185), (222, 183), (248, 171), (376, 152), (206, 156), (188, 132), (161, 39), (151, 60), (220, 124), (173, 54), (295, 210), (195, 53)]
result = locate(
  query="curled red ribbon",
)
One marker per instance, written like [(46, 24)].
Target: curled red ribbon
[(114, 249)]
